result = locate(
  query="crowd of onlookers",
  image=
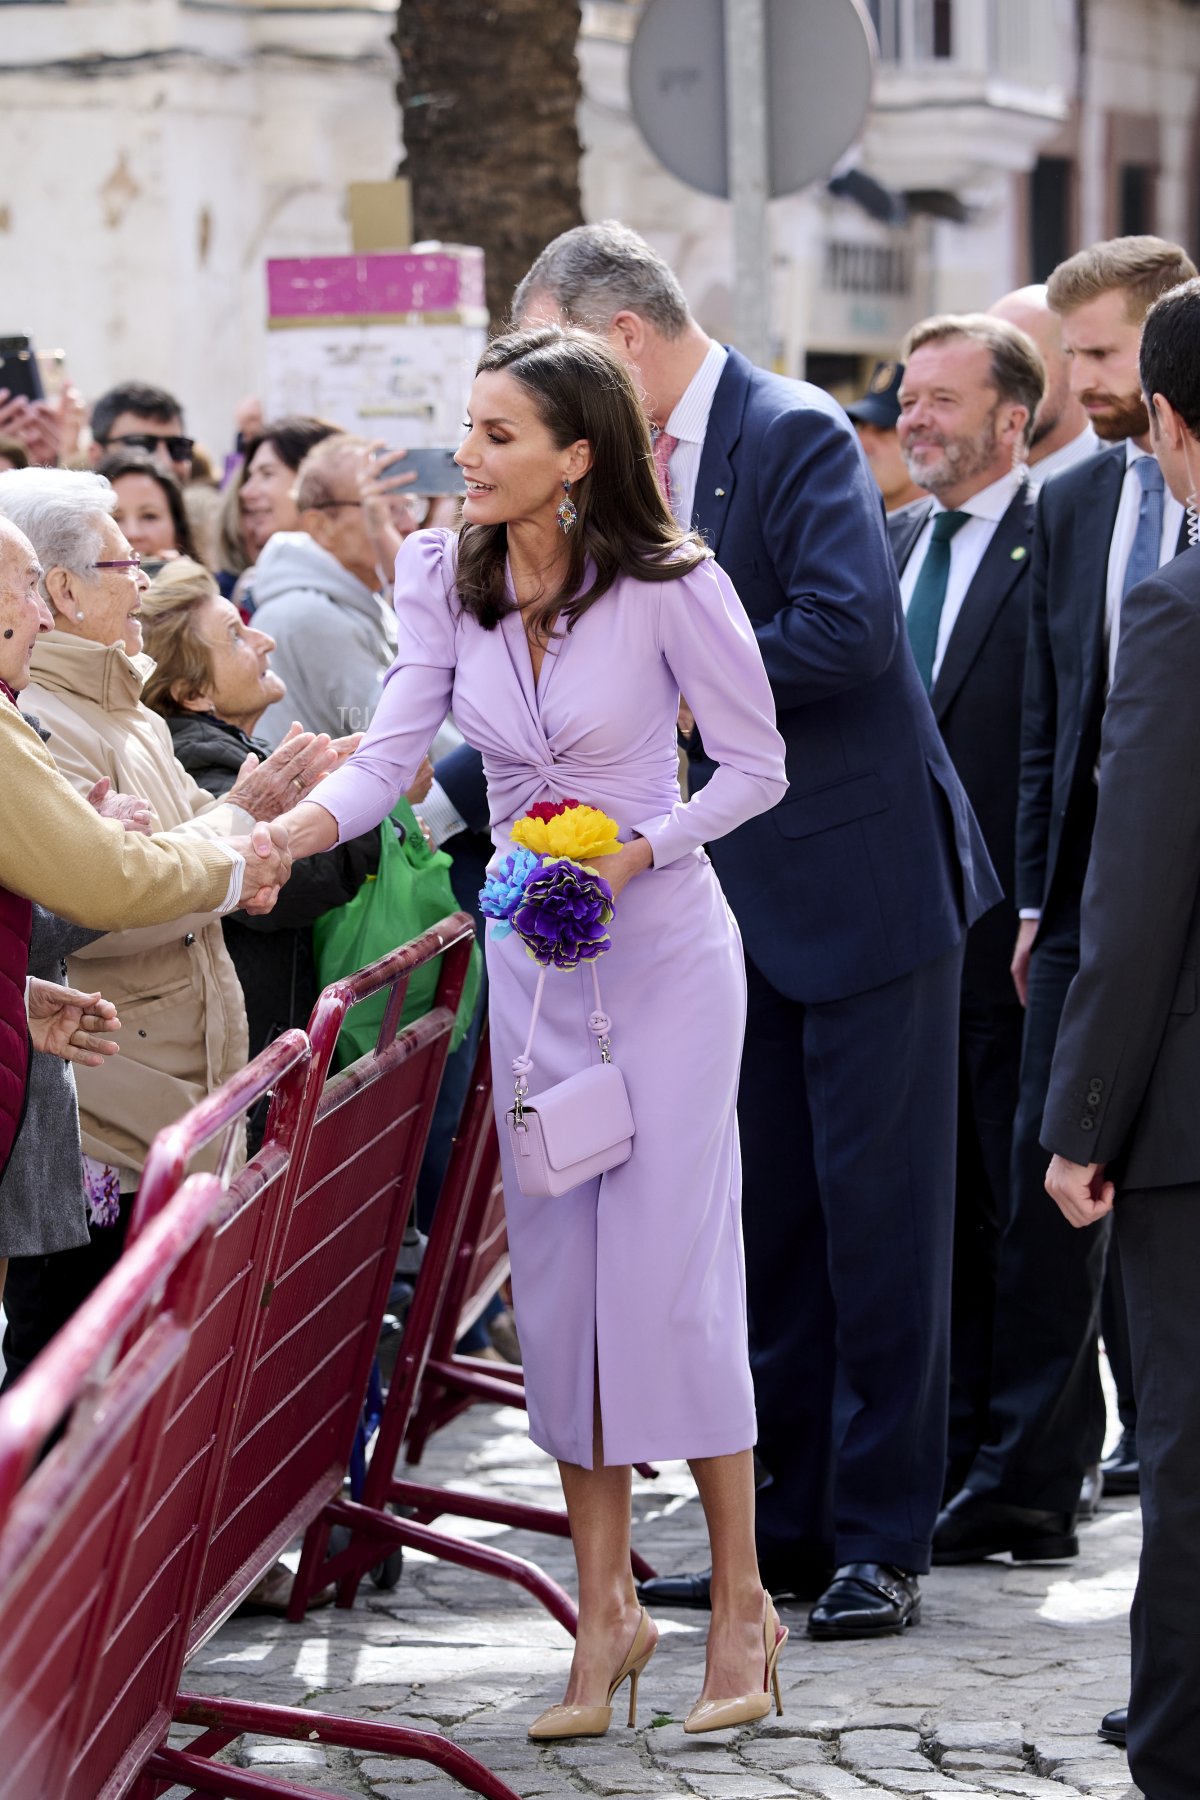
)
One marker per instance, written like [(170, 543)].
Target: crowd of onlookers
[(1014, 453), (211, 640)]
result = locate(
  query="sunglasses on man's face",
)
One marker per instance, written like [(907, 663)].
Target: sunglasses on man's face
[(179, 449)]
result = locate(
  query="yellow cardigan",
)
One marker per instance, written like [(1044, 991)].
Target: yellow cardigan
[(57, 850)]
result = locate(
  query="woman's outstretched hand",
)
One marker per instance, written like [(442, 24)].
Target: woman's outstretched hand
[(64, 1021), (630, 860)]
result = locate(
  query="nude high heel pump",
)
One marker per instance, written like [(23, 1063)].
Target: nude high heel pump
[(594, 1721), (744, 1709)]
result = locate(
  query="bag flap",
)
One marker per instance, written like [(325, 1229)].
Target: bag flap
[(583, 1115)]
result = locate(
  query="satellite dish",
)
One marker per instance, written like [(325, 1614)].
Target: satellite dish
[(820, 67)]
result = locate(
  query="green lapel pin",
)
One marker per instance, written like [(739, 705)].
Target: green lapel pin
[(1019, 553)]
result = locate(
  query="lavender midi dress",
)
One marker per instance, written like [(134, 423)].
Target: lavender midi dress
[(638, 1274)]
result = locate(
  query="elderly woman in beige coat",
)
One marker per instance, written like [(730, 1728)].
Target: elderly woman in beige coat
[(174, 987)]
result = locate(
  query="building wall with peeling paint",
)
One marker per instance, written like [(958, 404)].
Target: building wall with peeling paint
[(153, 153)]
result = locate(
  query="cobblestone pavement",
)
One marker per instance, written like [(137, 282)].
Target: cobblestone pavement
[(997, 1692)]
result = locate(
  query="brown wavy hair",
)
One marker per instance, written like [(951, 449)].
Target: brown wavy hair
[(581, 390)]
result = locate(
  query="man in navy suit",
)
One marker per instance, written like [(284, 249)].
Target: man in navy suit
[(1101, 527), (853, 897), (969, 397)]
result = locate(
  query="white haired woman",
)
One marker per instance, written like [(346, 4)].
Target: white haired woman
[(173, 984), (50, 833)]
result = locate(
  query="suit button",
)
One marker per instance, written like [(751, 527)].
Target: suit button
[(189, 940), (1086, 1124)]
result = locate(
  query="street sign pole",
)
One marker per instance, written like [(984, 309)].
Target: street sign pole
[(749, 174)]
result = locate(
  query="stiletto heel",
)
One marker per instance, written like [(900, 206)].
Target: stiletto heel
[(594, 1721), (745, 1709)]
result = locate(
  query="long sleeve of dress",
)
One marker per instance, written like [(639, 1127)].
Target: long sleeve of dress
[(57, 850), (710, 647), (416, 694)]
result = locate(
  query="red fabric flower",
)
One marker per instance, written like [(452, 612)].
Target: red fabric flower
[(545, 810)]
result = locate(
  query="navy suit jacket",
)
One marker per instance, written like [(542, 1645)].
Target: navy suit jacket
[(1066, 678), (1127, 1061), (976, 701), (873, 864)]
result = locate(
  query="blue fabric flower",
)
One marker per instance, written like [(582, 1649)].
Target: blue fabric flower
[(504, 888)]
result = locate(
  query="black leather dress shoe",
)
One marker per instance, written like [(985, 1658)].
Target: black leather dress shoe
[(973, 1527), (1112, 1726), (866, 1599), (1090, 1491), (1120, 1466), (677, 1590), (782, 1579)]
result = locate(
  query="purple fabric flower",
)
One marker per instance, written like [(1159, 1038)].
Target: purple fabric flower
[(102, 1190), (562, 914), (502, 892)]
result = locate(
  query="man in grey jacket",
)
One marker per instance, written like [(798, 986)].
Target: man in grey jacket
[(324, 594), (319, 592)]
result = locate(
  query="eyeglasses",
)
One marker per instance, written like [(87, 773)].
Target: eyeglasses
[(179, 449), (325, 505), (124, 562)]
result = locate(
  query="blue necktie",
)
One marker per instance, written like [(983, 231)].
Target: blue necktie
[(929, 594), (1146, 553)]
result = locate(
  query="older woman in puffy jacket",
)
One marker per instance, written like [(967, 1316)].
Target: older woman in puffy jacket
[(56, 851), (174, 985)]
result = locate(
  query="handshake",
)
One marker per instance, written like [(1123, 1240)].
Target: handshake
[(268, 861)]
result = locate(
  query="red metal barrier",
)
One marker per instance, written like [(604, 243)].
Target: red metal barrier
[(94, 1583)]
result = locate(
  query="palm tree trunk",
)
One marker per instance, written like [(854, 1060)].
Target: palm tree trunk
[(489, 90)]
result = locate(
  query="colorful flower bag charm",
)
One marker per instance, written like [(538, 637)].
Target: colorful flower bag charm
[(555, 902)]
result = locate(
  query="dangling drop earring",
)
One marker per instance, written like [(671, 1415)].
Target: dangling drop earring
[(567, 512)]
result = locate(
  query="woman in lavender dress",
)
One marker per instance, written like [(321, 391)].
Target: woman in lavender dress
[(563, 653)]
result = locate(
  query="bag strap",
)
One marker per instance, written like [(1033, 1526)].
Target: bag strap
[(598, 1022)]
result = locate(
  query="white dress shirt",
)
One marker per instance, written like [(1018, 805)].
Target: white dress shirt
[(1065, 457), (1121, 545), (985, 510), (689, 422)]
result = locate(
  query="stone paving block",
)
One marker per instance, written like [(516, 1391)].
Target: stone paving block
[(999, 1737), (831, 1784), (955, 1760), (609, 1769), (784, 1753), (870, 1750), (733, 1786)]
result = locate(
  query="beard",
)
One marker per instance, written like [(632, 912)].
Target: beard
[(1124, 416), (961, 458)]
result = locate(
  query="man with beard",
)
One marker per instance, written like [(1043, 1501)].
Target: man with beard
[(1062, 432), (1101, 527), (969, 395)]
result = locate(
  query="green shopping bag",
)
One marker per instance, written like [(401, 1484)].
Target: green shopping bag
[(410, 892)]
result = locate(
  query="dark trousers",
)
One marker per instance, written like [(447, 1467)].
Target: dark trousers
[(1159, 1233), (989, 1063), (1047, 1404), (43, 1292), (1114, 1324), (847, 1115)]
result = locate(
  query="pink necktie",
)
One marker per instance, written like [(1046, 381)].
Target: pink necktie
[(664, 444)]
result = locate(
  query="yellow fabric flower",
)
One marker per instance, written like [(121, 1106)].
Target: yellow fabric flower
[(582, 832)]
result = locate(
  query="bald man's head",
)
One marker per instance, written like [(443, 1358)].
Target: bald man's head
[(1060, 417)]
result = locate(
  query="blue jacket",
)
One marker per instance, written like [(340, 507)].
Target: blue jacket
[(873, 863)]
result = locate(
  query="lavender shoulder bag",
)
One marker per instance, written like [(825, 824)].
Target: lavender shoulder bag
[(577, 1129)]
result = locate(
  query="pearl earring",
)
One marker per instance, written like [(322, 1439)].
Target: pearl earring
[(79, 614)]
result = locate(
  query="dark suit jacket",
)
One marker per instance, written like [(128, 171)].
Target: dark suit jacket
[(873, 864), (1065, 676), (977, 703), (1126, 1078)]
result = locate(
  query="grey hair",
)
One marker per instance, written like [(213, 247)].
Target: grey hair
[(317, 474), (57, 509), (593, 272)]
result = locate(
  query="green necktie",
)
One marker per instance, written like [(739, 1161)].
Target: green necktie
[(929, 595)]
